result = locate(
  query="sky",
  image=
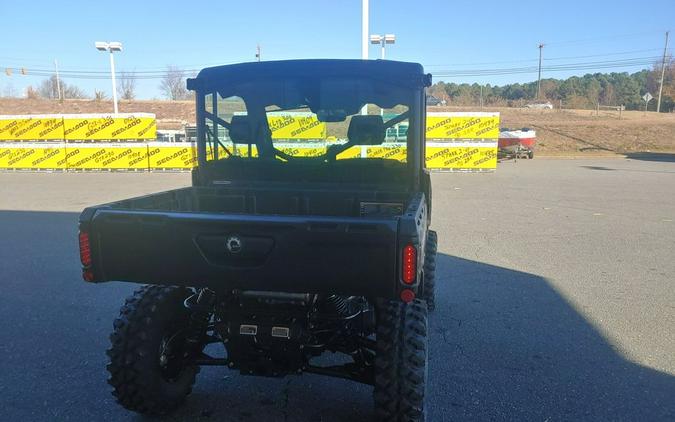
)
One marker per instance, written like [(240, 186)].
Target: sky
[(455, 40)]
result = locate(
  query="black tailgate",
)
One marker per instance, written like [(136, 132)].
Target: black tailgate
[(344, 255)]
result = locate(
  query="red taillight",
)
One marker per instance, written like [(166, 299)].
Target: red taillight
[(85, 249), (409, 266), (407, 295), (87, 275)]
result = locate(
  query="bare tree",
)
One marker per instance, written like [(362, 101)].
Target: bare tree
[(31, 93), (72, 91), (127, 85), (173, 84), (49, 89), (99, 95), (654, 78)]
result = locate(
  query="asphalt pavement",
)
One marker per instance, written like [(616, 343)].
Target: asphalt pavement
[(556, 301)]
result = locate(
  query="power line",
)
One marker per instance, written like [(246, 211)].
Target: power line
[(606, 37), (197, 67), (602, 55), (450, 70), (601, 64), (633, 62), (619, 53), (17, 63)]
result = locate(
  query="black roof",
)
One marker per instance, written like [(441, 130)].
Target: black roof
[(400, 73)]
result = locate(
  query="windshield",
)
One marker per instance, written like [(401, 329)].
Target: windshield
[(321, 120)]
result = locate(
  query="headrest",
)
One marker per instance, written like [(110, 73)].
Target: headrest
[(240, 129), (366, 130)]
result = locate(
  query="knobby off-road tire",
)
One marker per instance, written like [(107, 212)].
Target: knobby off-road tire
[(401, 361), (148, 319), (429, 292)]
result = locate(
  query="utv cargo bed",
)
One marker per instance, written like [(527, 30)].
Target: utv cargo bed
[(228, 238)]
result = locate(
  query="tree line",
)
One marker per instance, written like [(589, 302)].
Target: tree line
[(587, 91)]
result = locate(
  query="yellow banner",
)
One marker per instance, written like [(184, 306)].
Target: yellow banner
[(353, 152), (107, 157), (101, 127), (31, 128), (78, 127), (32, 156), (462, 126), (290, 148), (240, 151), (296, 126), (389, 152), (465, 157), (172, 156), (304, 150)]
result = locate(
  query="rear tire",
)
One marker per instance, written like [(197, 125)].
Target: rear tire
[(530, 155), (147, 368), (429, 287), (401, 361)]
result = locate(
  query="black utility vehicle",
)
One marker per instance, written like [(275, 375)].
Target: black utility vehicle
[(274, 254)]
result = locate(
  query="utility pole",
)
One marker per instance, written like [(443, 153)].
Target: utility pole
[(663, 71), (58, 81), (541, 46), (257, 52), (481, 96)]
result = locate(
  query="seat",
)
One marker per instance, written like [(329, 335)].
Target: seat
[(240, 129)]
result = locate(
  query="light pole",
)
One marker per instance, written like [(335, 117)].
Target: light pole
[(382, 40), (111, 46), (365, 9)]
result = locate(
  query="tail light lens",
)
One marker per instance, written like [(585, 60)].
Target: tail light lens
[(407, 295), (409, 266), (85, 249)]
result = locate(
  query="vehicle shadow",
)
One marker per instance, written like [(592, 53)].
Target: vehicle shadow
[(624, 169), (599, 168), (504, 345), (663, 157)]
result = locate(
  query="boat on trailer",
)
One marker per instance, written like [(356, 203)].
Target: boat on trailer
[(517, 142)]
